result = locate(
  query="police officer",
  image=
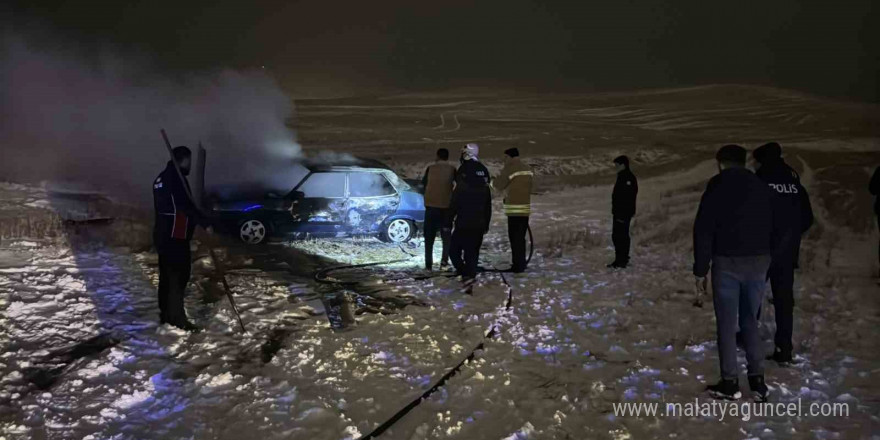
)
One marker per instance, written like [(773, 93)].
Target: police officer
[(623, 209), (175, 222), (471, 214), (794, 215), (438, 182), (516, 177)]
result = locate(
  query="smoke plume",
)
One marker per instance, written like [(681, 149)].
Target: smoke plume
[(65, 117)]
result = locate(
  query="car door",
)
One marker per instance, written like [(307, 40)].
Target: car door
[(371, 199), (319, 208)]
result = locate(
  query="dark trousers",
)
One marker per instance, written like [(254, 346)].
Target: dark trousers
[(436, 220), (620, 238), (738, 288), (782, 282), (465, 252), (174, 273), (516, 232)]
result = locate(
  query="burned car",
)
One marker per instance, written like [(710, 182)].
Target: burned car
[(352, 198)]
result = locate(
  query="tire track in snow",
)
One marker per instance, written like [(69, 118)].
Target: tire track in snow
[(457, 124), (443, 123)]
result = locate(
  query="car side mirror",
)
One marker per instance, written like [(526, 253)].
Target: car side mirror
[(298, 195)]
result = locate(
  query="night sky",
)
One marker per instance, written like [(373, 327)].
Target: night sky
[(820, 46)]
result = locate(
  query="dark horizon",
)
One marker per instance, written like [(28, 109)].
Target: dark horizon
[(319, 49)]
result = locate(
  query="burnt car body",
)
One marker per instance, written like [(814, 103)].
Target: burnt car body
[(353, 198)]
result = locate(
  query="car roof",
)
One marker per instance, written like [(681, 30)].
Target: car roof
[(344, 164)]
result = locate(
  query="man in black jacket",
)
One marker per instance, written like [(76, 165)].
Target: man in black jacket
[(733, 232), (874, 187), (794, 215), (471, 215), (623, 208), (175, 222)]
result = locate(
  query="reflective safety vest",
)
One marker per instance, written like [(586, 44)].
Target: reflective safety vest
[(516, 178)]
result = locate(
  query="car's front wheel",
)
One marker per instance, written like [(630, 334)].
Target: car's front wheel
[(253, 231), (397, 231)]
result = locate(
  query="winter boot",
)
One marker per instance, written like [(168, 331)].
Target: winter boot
[(725, 389), (759, 388), (781, 358), (467, 286), (186, 325)]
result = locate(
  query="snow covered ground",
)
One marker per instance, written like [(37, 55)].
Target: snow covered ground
[(579, 337)]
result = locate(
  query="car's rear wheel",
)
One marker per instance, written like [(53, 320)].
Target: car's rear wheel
[(397, 231), (253, 231)]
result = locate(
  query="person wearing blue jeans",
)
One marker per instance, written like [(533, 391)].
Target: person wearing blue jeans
[(738, 288), (734, 235)]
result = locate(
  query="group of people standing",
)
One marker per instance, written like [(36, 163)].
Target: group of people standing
[(747, 231), (458, 205)]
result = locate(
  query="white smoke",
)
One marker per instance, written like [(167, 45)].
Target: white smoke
[(66, 118)]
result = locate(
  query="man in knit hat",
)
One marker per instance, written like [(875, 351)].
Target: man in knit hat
[(733, 235), (516, 178), (794, 214), (471, 213)]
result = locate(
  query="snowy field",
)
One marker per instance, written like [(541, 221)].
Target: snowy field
[(83, 355)]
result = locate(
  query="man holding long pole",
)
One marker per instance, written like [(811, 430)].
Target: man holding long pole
[(176, 220)]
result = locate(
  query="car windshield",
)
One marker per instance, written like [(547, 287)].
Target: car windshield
[(397, 181), (368, 185)]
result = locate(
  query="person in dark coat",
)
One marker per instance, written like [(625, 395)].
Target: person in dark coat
[(471, 215), (175, 222), (874, 187), (733, 235), (623, 209), (794, 214), (438, 182)]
